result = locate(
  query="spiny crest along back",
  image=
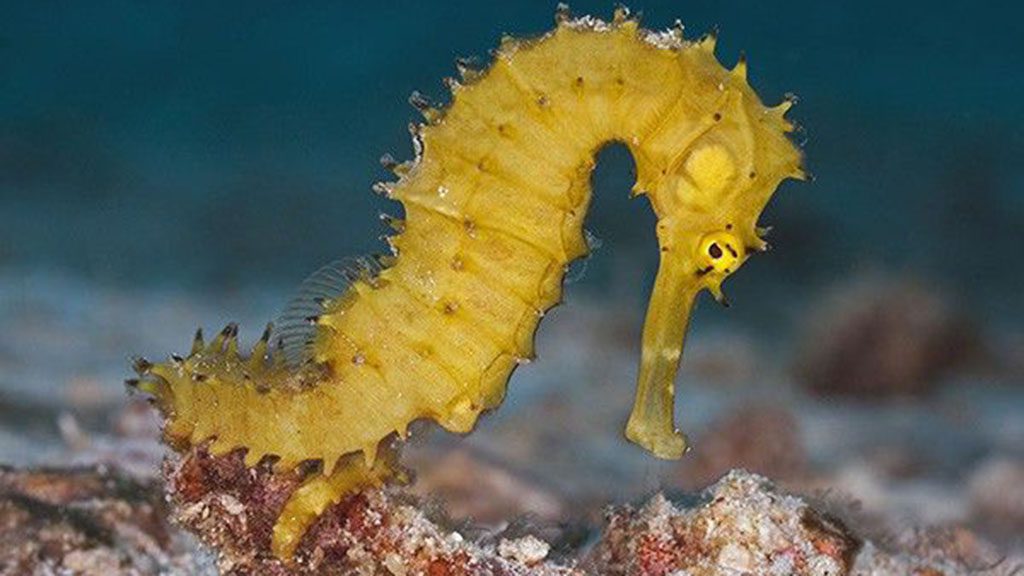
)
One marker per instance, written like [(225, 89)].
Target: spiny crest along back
[(494, 202)]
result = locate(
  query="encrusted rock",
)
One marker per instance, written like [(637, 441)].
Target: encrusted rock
[(87, 521), (997, 495), (744, 525), (92, 522), (233, 510), (528, 550), (878, 338)]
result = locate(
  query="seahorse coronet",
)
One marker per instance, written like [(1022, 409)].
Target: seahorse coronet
[(494, 200)]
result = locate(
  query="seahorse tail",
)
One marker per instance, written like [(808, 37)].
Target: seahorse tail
[(321, 491), (259, 404)]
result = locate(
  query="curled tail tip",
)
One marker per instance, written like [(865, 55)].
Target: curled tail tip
[(319, 491)]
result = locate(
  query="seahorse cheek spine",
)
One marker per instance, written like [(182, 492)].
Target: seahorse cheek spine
[(494, 204)]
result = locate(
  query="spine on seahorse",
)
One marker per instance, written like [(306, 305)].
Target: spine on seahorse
[(494, 203)]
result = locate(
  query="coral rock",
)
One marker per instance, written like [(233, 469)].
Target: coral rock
[(884, 338), (742, 526), (87, 522), (997, 495), (373, 532)]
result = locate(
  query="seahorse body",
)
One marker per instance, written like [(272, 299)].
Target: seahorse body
[(494, 204)]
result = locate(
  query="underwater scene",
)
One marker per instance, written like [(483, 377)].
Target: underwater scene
[(524, 288)]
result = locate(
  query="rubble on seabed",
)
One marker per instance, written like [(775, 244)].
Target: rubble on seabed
[(743, 524)]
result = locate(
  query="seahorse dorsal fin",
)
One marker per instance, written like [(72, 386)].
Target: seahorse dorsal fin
[(298, 320), (576, 269)]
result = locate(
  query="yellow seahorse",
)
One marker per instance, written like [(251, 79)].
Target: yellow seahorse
[(494, 203)]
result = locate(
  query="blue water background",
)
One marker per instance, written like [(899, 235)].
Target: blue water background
[(215, 145)]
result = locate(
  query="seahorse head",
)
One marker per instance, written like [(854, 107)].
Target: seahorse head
[(708, 188)]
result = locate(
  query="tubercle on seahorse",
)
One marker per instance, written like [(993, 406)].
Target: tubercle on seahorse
[(494, 204)]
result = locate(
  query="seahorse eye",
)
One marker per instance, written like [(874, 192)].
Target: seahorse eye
[(720, 252), (714, 251)]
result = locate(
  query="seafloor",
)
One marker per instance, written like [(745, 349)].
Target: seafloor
[(937, 449)]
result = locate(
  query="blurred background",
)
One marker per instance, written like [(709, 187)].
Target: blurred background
[(168, 165)]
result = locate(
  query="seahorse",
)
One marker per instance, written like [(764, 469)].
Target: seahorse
[(494, 202)]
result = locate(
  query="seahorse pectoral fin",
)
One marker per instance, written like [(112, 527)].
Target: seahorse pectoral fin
[(651, 424)]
